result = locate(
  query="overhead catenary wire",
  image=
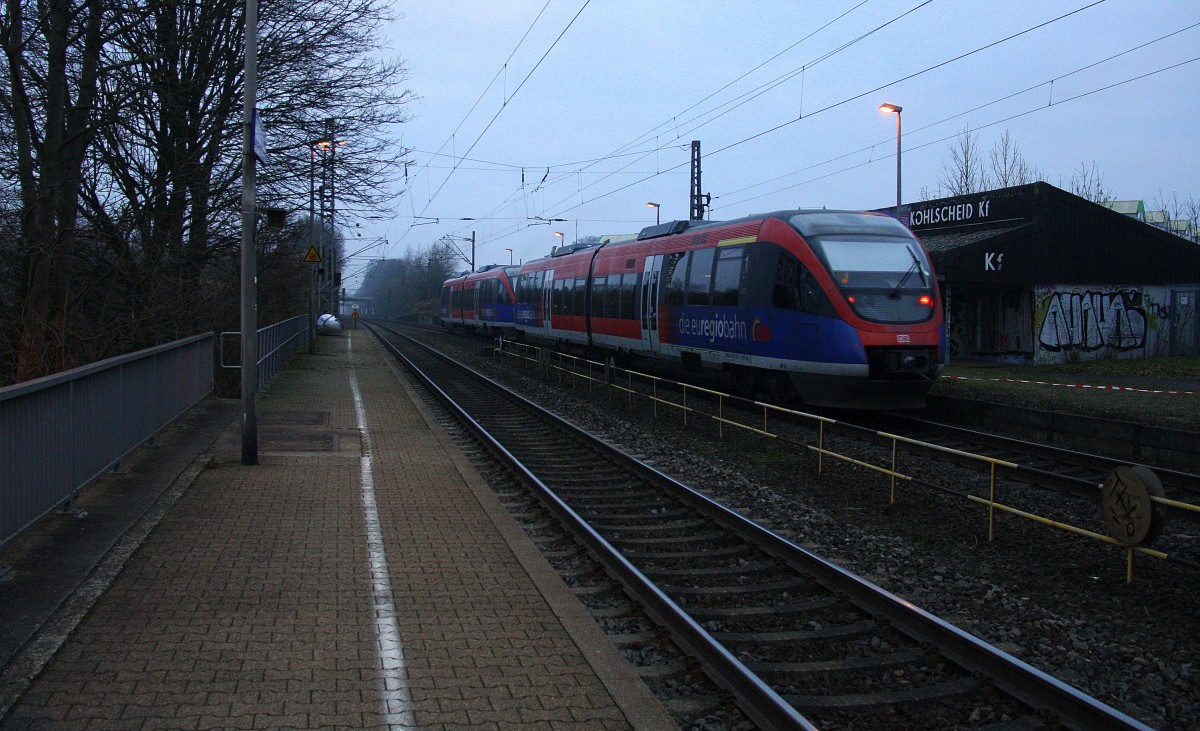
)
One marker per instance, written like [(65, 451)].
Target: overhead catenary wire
[(849, 99), (963, 113), (641, 155), (756, 92), (1038, 108), (504, 105), (674, 117), (557, 177), (507, 98), (492, 83)]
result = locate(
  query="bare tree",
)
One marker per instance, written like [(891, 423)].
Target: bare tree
[(1009, 167), (400, 287), (1183, 216), (54, 59), (121, 134), (965, 172), (1088, 182)]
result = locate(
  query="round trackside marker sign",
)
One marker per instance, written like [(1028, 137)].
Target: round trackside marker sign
[(1130, 514)]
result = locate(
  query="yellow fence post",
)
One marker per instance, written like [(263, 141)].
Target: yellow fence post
[(992, 505), (821, 444), (892, 500)]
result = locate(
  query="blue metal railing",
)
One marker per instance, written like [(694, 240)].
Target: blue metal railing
[(60, 432), (275, 344)]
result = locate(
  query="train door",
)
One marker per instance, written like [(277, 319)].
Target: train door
[(648, 302)]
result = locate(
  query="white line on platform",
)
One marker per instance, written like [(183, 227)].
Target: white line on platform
[(396, 700)]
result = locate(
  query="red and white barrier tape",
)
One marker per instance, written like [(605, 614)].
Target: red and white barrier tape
[(1077, 385)]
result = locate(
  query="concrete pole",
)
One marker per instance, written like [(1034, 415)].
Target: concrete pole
[(249, 278)]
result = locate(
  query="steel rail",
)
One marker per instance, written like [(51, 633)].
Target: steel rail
[(1035, 688), (764, 706), (1077, 486)]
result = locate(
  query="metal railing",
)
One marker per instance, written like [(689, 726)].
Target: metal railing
[(566, 367), (60, 432), (275, 343)]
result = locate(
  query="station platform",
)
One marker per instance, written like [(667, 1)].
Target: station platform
[(362, 575)]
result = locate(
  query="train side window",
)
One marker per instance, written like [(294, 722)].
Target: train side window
[(675, 276), (700, 275), (812, 297), (797, 289), (537, 287), (786, 294), (556, 301), (628, 297), (578, 297), (523, 289), (599, 289), (727, 278)]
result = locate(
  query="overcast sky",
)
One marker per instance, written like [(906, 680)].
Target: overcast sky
[(586, 112)]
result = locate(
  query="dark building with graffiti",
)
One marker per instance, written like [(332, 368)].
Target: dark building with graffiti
[(1035, 273)]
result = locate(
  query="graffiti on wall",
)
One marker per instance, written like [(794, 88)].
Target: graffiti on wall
[(1088, 320)]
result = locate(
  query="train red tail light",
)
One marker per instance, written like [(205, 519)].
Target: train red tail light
[(926, 300)]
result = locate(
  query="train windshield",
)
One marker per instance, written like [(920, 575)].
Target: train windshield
[(884, 280), (862, 263)]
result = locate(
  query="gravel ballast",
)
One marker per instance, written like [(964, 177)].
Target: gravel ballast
[(1057, 601)]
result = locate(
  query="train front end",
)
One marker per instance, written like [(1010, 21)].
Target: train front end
[(883, 288)]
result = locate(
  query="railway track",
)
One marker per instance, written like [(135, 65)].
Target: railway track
[(1072, 471), (796, 640)]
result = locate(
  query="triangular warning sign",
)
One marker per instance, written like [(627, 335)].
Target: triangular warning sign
[(312, 257)]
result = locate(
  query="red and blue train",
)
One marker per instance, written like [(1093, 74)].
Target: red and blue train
[(827, 308)]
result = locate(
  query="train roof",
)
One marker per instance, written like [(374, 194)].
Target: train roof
[(809, 221)]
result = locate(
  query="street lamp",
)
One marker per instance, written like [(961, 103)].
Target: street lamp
[(655, 206), (561, 239), (509, 256), (888, 109)]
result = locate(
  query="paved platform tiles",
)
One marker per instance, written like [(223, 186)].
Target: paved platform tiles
[(355, 578)]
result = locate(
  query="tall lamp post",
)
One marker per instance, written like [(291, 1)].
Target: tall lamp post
[(313, 243), (327, 294), (656, 207), (509, 256), (561, 237), (888, 109)]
